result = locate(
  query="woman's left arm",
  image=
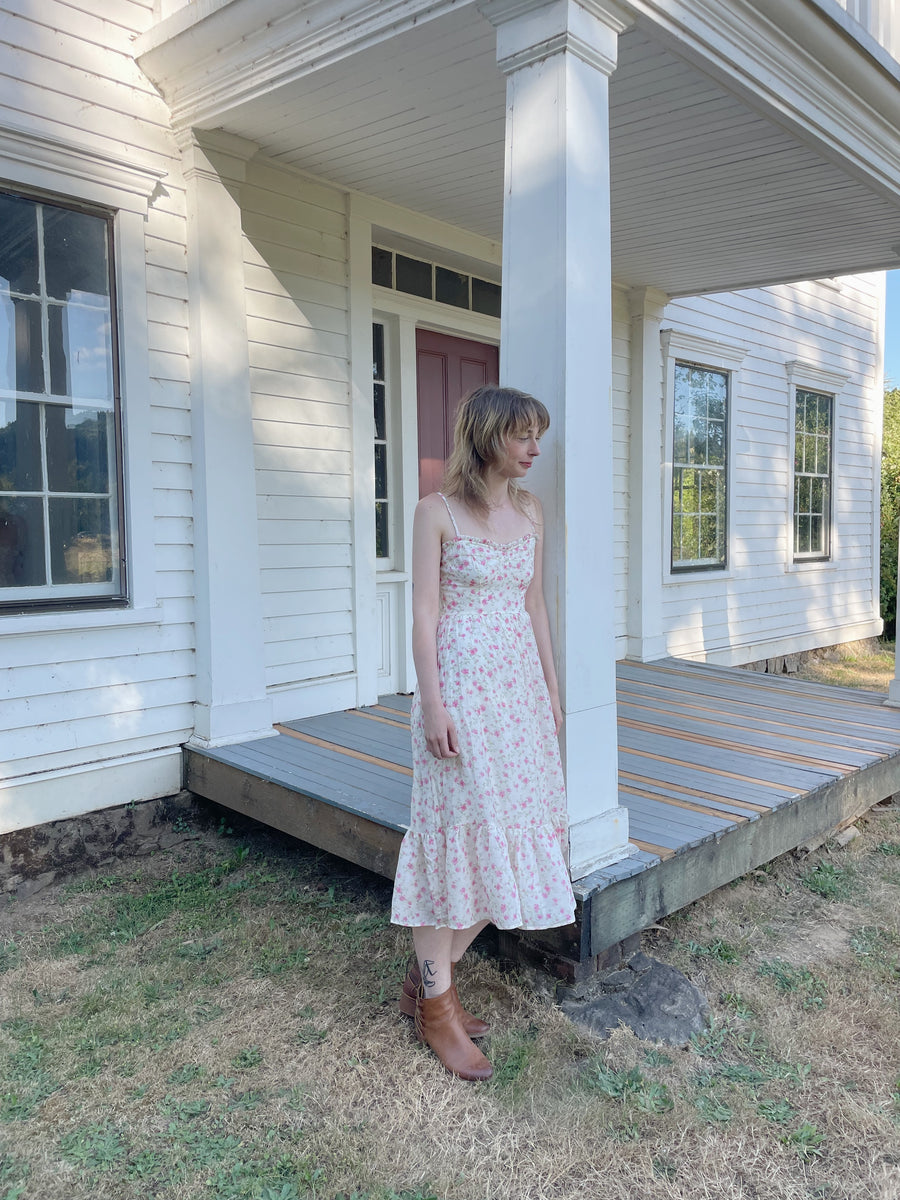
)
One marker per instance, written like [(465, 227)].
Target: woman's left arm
[(537, 610)]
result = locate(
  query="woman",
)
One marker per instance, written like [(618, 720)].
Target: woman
[(488, 822)]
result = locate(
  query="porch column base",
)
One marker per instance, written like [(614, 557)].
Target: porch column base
[(224, 724), (893, 696), (598, 841)]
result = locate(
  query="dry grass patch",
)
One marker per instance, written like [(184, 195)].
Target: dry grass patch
[(217, 1023)]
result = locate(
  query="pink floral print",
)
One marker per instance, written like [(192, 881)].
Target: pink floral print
[(487, 828)]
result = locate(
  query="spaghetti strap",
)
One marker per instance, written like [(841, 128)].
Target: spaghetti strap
[(450, 511)]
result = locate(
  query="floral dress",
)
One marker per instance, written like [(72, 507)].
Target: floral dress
[(488, 828)]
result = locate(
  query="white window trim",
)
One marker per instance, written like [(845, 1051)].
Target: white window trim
[(809, 377), (680, 346), (67, 171)]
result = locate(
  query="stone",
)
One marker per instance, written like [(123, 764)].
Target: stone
[(659, 1004)]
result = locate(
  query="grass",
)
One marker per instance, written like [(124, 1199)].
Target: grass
[(218, 1023), (856, 665)]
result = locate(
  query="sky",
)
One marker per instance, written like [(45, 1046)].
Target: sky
[(892, 331)]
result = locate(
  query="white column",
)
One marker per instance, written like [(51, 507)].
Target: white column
[(556, 343), (645, 476), (232, 704)]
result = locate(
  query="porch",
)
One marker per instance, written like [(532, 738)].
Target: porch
[(720, 770)]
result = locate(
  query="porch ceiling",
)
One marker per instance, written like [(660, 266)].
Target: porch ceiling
[(709, 190)]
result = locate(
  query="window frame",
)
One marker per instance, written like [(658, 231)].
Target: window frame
[(49, 596), (680, 347), (63, 171), (807, 377)]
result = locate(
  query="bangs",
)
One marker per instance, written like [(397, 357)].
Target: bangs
[(525, 412)]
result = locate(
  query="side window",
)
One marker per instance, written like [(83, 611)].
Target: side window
[(699, 467), (382, 466), (60, 463), (813, 421)]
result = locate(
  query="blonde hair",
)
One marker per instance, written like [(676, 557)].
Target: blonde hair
[(485, 419)]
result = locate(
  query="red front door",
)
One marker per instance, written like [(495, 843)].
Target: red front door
[(446, 369)]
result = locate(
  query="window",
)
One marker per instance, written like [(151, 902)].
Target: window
[(699, 467), (382, 474), (419, 277), (813, 422), (60, 505)]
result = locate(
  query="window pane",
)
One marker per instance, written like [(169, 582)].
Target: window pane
[(816, 545), (378, 351), (381, 472), (382, 548), (382, 267), (413, 276), (75, 254), (380, 416), (450, 287), (21, 541), (18, 245), (20, 446), (485, 297), (80, 541), (29, 370), (78, 445), (80, 352)]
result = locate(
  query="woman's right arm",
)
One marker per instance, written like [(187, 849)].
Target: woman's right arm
[(428, 530)]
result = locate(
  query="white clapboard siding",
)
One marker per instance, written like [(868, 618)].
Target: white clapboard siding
[(295, 240), (76, 697), (763, 598)]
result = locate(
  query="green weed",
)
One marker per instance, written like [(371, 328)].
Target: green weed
[(719, 950), (736, 1002), (9, 956), (828, 881), (247, 1060), (806, 1140), (712, 1109), (646, 1095), (97, 1146), (788, 978), (778, 1111), (890, 848)]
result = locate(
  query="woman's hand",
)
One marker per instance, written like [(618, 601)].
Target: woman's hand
[(557, 712), (440, 732)]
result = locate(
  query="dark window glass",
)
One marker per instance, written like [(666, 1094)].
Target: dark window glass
[(78, 443), (80, 549), (382, 267), (380, 414), (20, 447), (381, 529), (76, 256), (381, 472), (29, 367), (18, 246), (450, 287), (485, 297), (414, 276), (21, 541), (377, 351)]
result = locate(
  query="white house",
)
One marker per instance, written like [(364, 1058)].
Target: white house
[(252, 250)]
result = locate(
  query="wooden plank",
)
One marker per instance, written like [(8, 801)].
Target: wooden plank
[(682, 789), (682, 821), (788, 696), (381, 762), (324, 785), (396, 701), (348, 835), (662, 852), (668, 799), (734, 713), (361, 712), (638, 901), (787, 777), (770, 745), (820, 713), (356, 733)]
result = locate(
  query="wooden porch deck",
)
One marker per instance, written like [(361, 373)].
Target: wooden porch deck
[(720, 770)]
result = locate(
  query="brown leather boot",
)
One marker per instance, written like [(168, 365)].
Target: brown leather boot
[(439, 1026), (474, 1026)]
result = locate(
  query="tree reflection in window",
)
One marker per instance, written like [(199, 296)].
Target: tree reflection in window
[(699, 467), (812, 474)]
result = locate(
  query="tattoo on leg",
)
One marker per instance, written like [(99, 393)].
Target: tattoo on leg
[(428, 973)]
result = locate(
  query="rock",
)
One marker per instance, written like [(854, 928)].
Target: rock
[(657, 1002)]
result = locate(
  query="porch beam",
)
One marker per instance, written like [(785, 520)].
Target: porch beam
[(556, 342), (232, 704)]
